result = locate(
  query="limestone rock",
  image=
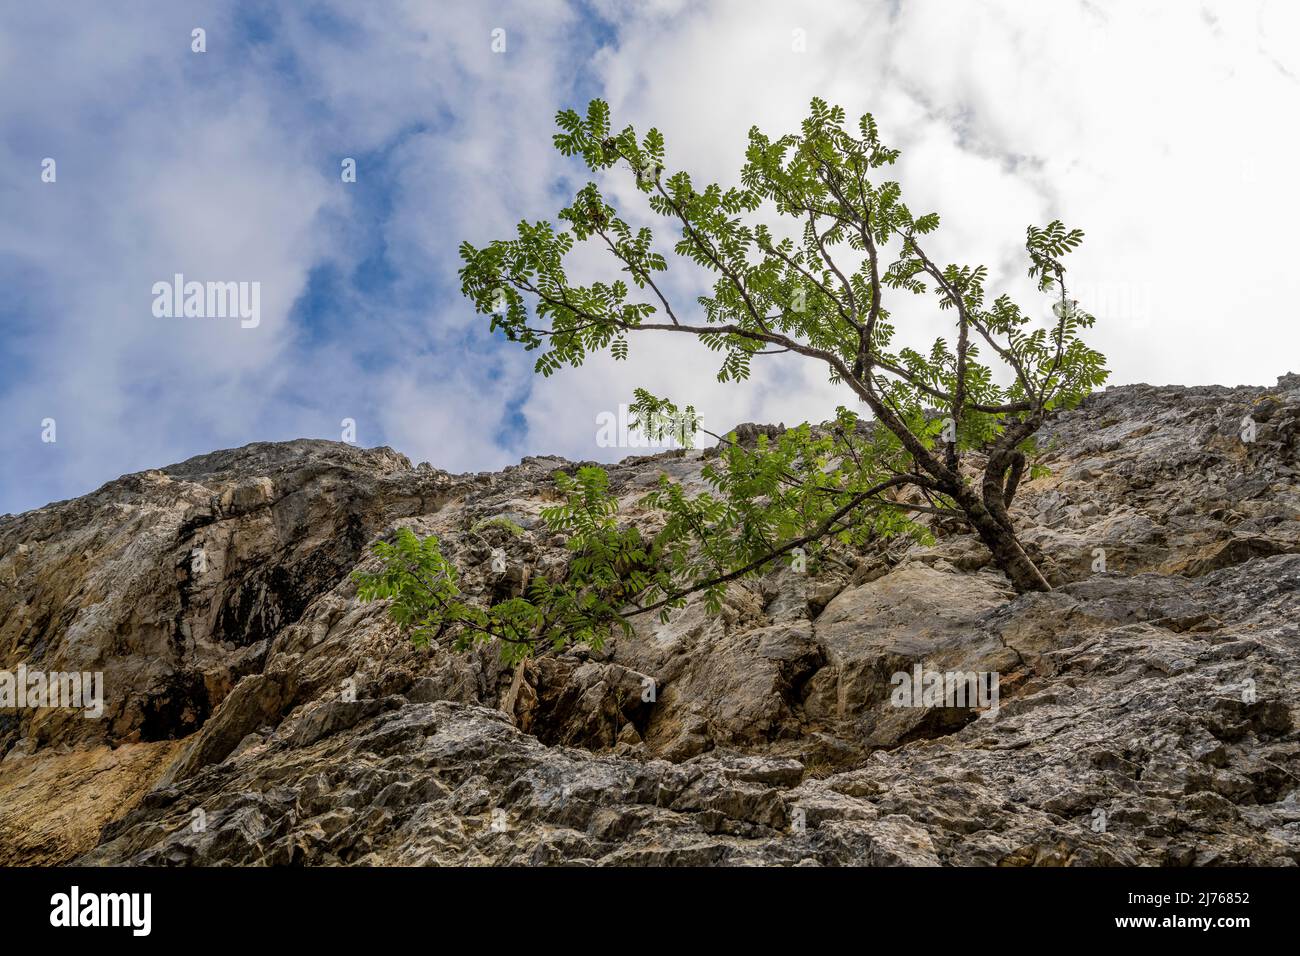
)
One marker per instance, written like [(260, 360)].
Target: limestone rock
[(256, 713)]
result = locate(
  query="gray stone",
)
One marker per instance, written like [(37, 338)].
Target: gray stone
[(1146, 716)]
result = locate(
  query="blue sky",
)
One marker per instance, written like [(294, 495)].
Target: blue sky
[(1165, 130)]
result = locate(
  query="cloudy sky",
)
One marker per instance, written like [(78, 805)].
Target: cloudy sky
[(1166, 130)]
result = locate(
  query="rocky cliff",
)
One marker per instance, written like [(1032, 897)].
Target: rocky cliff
[(256, 713)]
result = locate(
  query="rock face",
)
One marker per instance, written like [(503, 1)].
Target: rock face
[(255, 713)]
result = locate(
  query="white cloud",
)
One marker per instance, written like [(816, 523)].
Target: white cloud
[(224, 166), (1158, 128), (1162, 129)]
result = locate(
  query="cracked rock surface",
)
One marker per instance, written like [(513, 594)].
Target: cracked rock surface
[(256, 713)]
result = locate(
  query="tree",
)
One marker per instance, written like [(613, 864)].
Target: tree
[(946, 440)]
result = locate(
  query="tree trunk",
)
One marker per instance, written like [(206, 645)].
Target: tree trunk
[(1001, 541)]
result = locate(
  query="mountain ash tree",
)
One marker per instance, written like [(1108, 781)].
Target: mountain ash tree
[(943, 437)]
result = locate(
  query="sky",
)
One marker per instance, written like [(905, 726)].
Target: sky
[(1166, 130)]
